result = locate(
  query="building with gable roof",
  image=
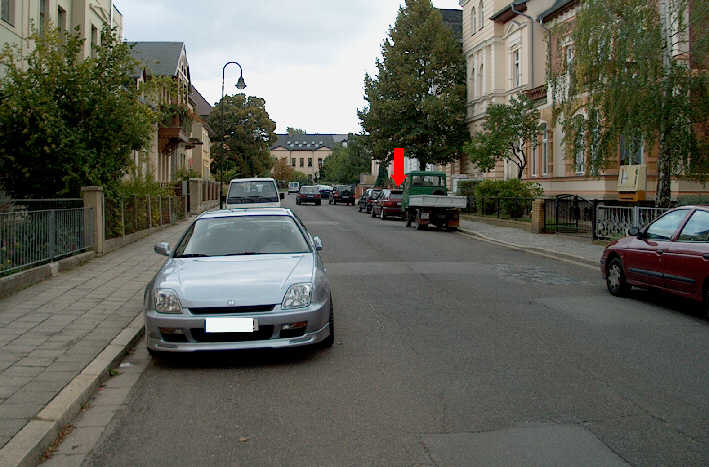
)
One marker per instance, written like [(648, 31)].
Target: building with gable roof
[(306, 153), (169, 151)]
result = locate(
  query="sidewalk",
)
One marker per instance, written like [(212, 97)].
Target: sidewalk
[(51, 331), (559, 245)]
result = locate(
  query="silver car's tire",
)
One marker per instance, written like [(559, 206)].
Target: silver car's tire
[(330, 340)]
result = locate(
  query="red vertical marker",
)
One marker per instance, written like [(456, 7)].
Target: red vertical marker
[(398, 176)]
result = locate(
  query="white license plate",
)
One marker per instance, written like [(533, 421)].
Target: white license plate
[(213, 325), (424, 215)]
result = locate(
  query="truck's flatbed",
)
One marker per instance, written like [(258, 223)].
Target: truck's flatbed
[(437, 201)]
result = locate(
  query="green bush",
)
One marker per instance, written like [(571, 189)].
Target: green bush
[(515, 195), (692, 199)]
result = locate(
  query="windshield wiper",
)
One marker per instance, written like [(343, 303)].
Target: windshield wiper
[(193, 255), (243, 253)]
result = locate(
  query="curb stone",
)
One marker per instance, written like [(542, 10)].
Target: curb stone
[(534, 250), (27, 446)]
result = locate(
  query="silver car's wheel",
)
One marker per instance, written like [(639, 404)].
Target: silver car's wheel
[(615, 278), (330, 340)]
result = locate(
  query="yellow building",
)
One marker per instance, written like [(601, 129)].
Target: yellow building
[(306, 153), (19, 17)]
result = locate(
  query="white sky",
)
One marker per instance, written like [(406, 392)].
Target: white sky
[(307, 58)]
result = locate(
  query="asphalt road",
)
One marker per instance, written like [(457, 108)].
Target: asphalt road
[(449, 351)]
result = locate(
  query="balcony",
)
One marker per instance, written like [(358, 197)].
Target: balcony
[(174, 132), (538, 93)]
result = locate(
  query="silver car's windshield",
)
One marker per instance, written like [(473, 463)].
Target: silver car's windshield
[(252, 192), (242, 235)]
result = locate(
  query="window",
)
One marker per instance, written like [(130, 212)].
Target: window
[(474, 20), (42, 16), (481, 78), (481, 12), (94, 40), (319, 163), (534, 157), (569, 52), (473, 81), (697, 228), (631, 150), (7, 11), (292, 161), (545, 150), (580, 152), (302, 162), (310, 161), (665, 227), (61, 19), (515, 69)]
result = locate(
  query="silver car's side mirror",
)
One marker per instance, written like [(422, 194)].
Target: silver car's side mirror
[(318, 243), (162, 248)]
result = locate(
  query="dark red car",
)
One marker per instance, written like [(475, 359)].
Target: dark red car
[(388, 204), (670, 254), (308, 194)]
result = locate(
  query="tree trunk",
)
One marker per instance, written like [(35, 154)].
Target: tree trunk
[(520, 172), (663, 194)]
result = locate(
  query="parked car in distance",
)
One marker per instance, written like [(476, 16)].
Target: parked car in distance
[(342, 194), (308, 194), (293, 187), (325, 191), (253, 193), (388, 204), (240, 279), (670, 254), (365, 201)]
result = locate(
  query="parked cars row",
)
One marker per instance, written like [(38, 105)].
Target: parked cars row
[(381, 203)]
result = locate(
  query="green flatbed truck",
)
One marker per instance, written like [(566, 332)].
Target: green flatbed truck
[(426, 202)]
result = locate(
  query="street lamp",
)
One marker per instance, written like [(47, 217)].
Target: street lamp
[(240, 84)]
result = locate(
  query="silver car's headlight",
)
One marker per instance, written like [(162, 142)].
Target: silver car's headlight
[(297, 296), (166, 301)]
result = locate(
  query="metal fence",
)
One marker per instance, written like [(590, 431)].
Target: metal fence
[(124, 216), (614, 221), (47, 204), (569, 214), (30, 238), (500, 207)]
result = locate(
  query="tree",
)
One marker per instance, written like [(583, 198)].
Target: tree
[(417, 99), (506, 131), (295, 131), (282, 171), (346, 163), (67, 121), (248, 134), (630, 81)]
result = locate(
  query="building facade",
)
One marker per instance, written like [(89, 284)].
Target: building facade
[(170, 150), (19, 18), (507, 50), (200, 159), (306, 153)]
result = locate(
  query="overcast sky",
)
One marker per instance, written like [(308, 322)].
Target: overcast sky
[(307, 58)]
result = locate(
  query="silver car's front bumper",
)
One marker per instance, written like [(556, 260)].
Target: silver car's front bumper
[(192, 328)]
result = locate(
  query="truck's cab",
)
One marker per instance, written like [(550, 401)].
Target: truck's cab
[(253, 193), (423, 183)]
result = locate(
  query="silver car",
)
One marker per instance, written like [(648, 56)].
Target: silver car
[(240, 279)]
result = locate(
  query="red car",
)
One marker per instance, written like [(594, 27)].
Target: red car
[(670, 254), (388, 204)]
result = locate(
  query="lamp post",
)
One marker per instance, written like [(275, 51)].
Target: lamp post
[(240, 84)]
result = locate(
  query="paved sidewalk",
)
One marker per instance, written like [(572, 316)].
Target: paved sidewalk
[(581, 249), (50, 331)]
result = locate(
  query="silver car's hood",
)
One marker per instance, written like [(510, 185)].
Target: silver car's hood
[(246, 280)]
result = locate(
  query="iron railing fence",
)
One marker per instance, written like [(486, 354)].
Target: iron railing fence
[(47, 204), (615, 221), (127, 215), (569, 214), (30, 238), (501, 206)]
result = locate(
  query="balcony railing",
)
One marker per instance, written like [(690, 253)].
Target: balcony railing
[(538, 93)]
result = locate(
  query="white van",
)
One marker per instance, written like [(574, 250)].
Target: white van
[(253, 193), (293, 187)]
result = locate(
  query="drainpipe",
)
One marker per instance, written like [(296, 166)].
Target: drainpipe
[(532, 22)]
